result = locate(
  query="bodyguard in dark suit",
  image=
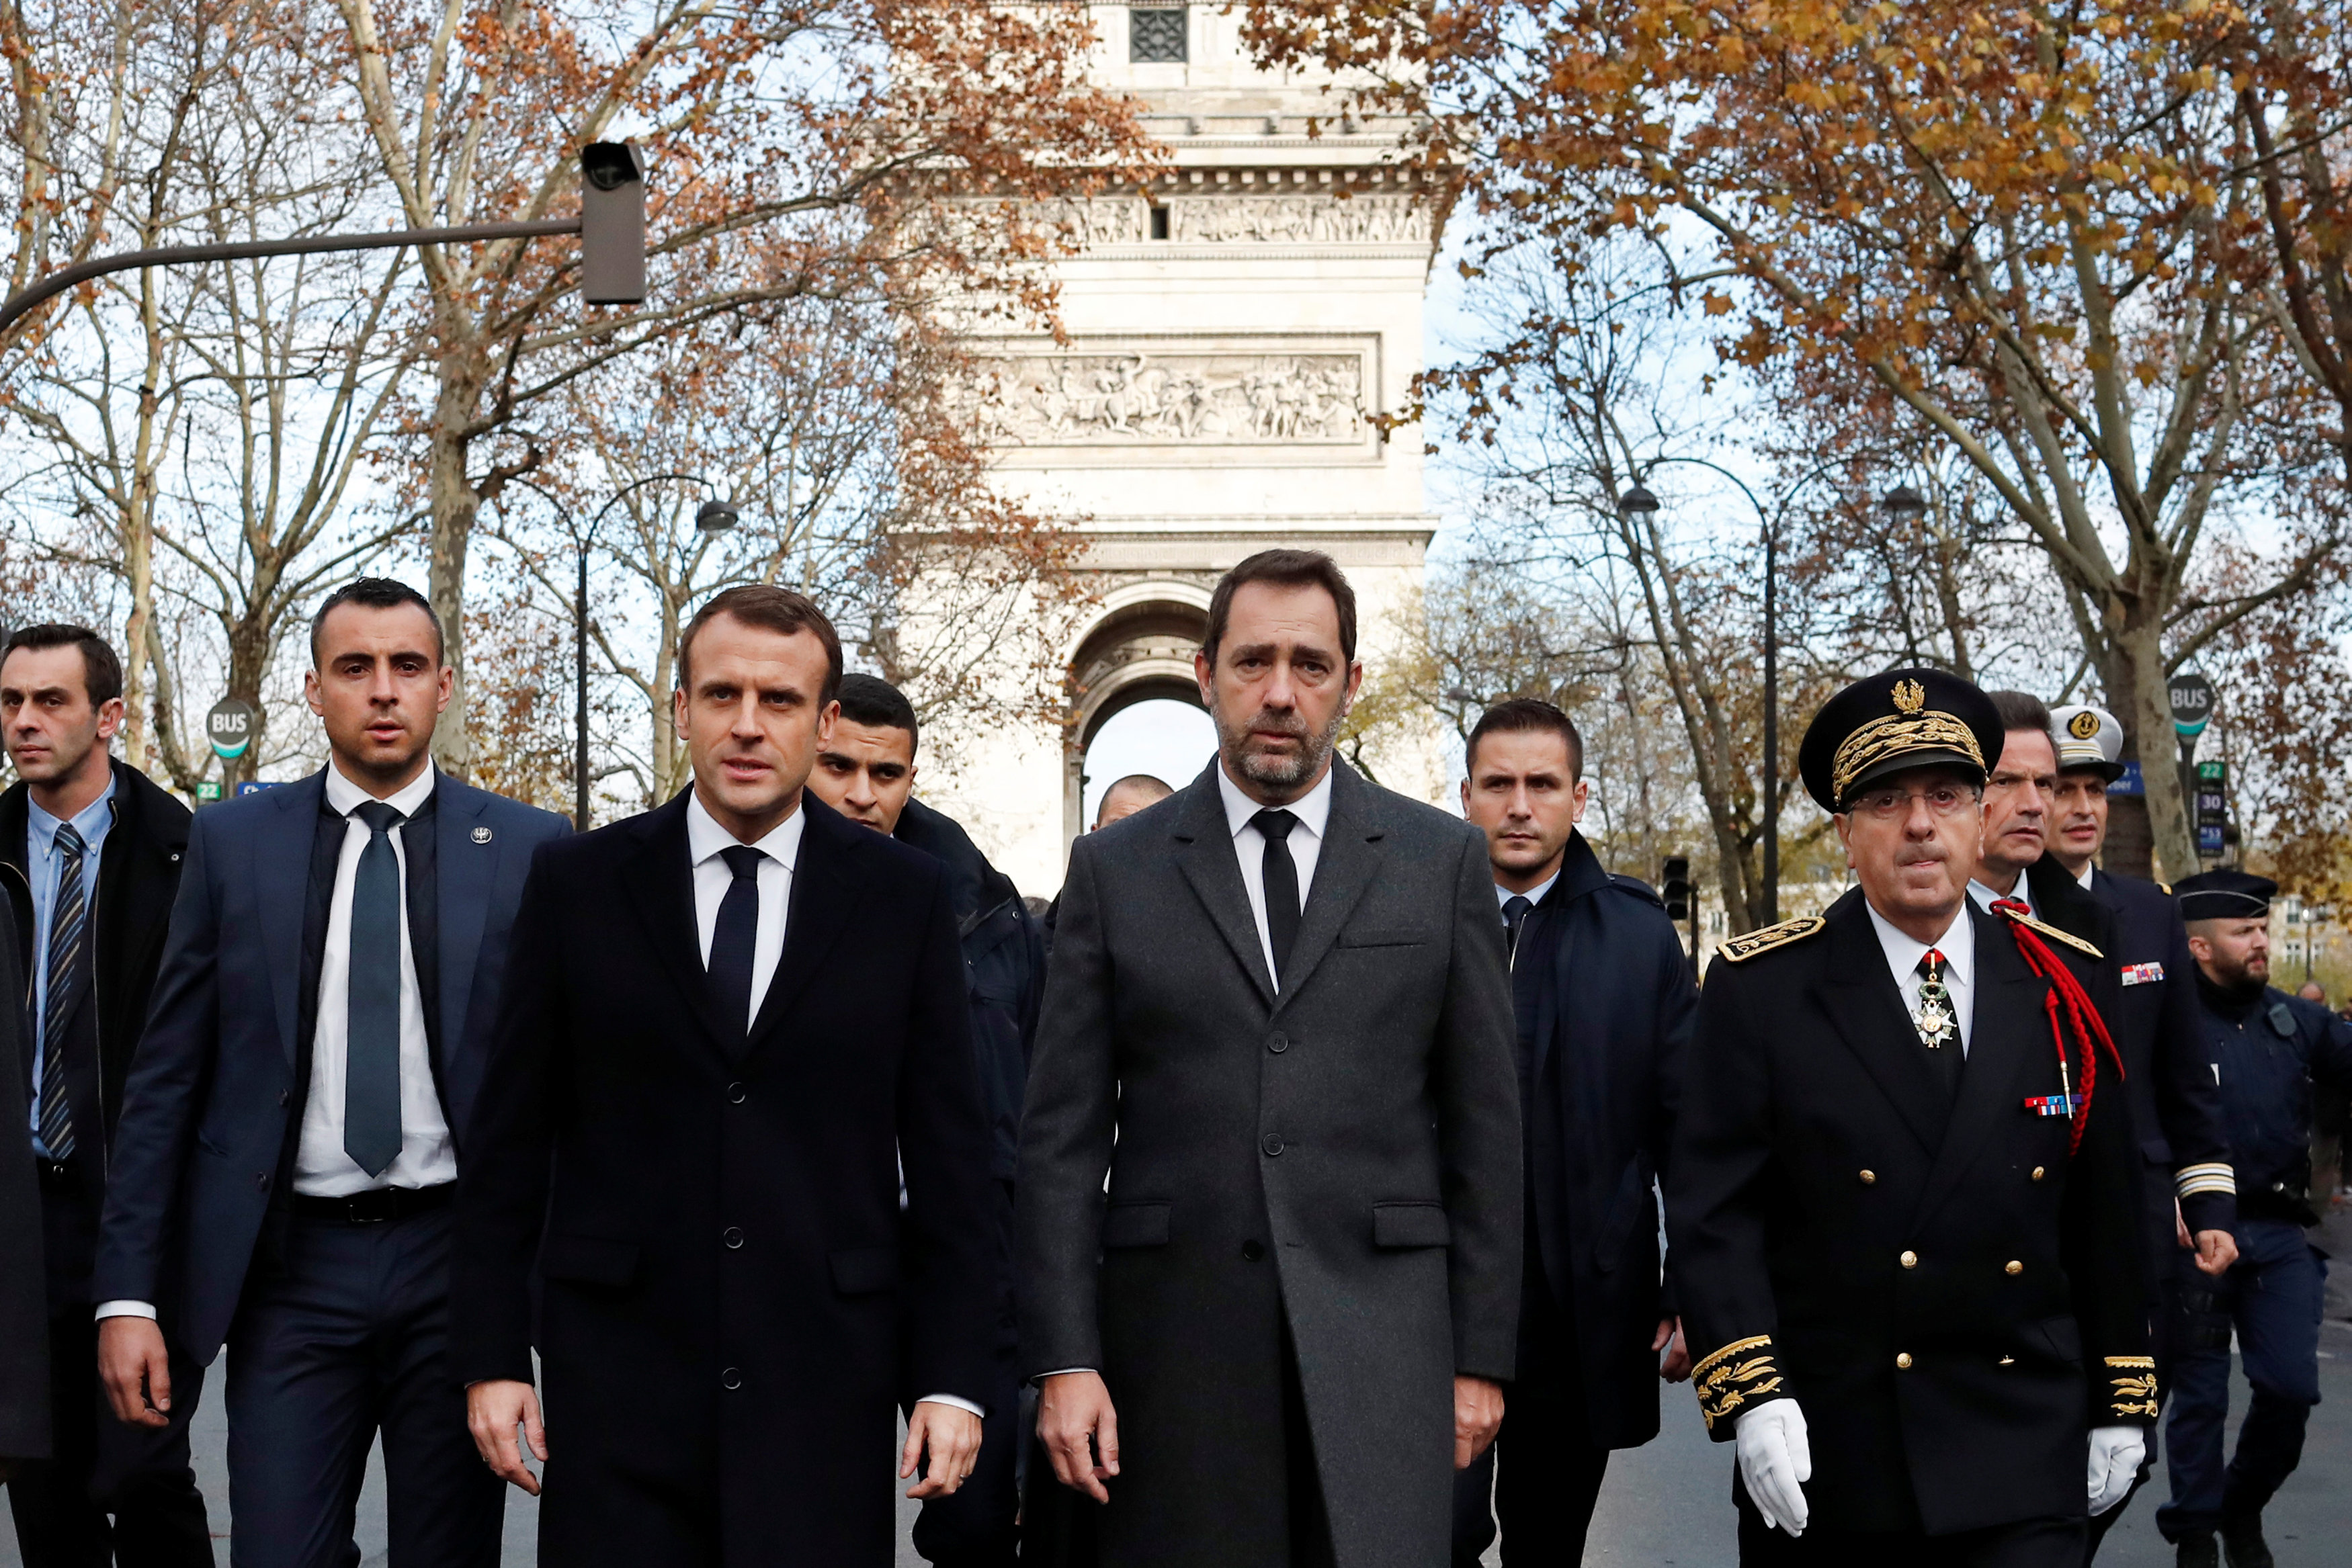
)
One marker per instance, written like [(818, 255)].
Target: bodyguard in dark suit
[(95, 848), (297, 1117), (1903, 1209), (1277, 1019), (732, 1020), (1603, 994), (24, 1288)]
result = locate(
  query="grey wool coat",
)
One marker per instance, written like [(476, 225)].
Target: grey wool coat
[(1345, 1155)]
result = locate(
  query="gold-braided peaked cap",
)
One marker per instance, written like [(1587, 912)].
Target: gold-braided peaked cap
[(1894, 722)]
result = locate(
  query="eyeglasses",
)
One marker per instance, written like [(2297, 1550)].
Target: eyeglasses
[(1888, 805)]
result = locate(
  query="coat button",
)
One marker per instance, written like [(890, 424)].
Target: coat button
[(2037, 1173), (732, 1236), (1278, 1044), (261, 1180), (2012, 1267), (734, 1094), (1273, 1145), (1902, 1360), (1909, 1259), (732, 1378), (1869, 1177), (1252, 1251), (284, 1095)]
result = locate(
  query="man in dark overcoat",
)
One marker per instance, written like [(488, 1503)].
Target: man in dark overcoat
[(1603, 998), (731, 1022), (1903, 1210), (1277, 1019), (24, 1293)]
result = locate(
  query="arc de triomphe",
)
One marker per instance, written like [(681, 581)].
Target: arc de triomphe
[(1231, 332)]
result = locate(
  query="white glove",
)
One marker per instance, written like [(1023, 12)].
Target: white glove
[(1775, 1456), (2115, 1454)]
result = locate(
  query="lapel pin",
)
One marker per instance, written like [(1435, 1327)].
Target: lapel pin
[(481, 835)]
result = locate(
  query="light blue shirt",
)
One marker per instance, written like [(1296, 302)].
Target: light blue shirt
[(41, 859)]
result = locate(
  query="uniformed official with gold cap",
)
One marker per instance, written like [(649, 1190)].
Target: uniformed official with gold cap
[(1902, 1211)]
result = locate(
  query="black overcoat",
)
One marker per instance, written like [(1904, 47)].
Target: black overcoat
[(732, 1309), (1344, 1156), (23, 1281), (1951, 1299), (1605, 1002)]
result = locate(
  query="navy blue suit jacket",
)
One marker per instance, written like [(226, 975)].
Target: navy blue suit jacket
[(211, 1101)]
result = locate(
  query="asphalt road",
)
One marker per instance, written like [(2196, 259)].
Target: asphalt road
[(1667, 1505)]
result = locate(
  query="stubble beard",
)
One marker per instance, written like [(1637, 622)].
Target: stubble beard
[(1283, 775)]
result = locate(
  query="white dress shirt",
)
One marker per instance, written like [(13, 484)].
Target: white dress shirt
[(780, 853), (1313, 810), (2090, 869), (1535, 894), (426, 1157), (1959, 946), (2022, 891)]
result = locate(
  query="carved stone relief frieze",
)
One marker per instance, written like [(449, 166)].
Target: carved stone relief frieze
[(1298, 220), (1151, 399), (1106, 220)]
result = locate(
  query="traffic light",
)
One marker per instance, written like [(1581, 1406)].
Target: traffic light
[(612, 223), (1674, 886)]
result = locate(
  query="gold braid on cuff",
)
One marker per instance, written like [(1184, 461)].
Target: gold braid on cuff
[(2135, 1395), (1892, 737), (1733, 1377)]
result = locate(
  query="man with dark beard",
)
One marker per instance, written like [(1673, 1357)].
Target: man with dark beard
[(2265, 1048), (1277, 1019)]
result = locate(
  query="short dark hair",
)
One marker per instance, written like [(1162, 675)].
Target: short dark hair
[(102, 671), (2020, 710), (1519, 716), (376, 593), (1285, 568), (874, 701), (771, 609)]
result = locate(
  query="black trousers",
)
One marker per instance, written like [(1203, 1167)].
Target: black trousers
[(343, 1333), (1542, 1475), (978, 1524), (2027, 1543), (100, 1468)]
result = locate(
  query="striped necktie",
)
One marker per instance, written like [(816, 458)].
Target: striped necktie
[(69, 921)]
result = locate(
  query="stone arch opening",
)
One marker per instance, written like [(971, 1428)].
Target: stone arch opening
[(1138, 648)]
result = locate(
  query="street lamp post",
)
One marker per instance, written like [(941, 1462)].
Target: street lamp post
[(713, 517)]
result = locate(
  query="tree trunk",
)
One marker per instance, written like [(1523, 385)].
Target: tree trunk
[(139, 536), (454, 502), (2136, 682)]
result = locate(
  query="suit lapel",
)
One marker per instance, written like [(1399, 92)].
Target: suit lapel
[(1204, 853), (2009, 1026), (1866, 1007), (659, 878), (464, 871), (825, 893), (281, 875), (1580, 876), (1352, 856)]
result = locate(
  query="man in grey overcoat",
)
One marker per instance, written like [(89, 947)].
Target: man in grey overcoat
[(1278, 1018)]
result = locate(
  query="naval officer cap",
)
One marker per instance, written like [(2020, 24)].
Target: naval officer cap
[(1892, 723), (2224, 896), (2087, 737)]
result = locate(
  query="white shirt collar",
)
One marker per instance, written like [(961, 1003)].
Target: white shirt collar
[(1313, 808), (2090, 869), (1903, 951), (87, 821), (1534, 894), (705, 838), (2023, 893), (343, 797)]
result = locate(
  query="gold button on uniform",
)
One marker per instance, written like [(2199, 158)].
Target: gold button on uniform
[(2037, 1173), (1909, 1259), (1903, 1360), (1868, 1177), (2012, 1267)]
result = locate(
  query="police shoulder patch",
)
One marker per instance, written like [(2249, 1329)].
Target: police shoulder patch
[(1739, 949), (2052, 931)]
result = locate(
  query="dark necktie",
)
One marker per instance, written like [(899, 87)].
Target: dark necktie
[(1937, 1022), (68, 922), (372, 1044), (1281, 886), (1515, 915), (733, 937)]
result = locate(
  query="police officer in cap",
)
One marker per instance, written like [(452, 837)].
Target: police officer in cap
[(1903, 1208), (2187, 1190), (2265, 1048)]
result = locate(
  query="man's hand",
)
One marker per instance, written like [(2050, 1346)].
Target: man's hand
[(493, 1411), (1776, 1457), (953, 1437), (136, 1370), (1080, 1431), (2216, 1250), (1477, 1416), (1675, 1367)]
